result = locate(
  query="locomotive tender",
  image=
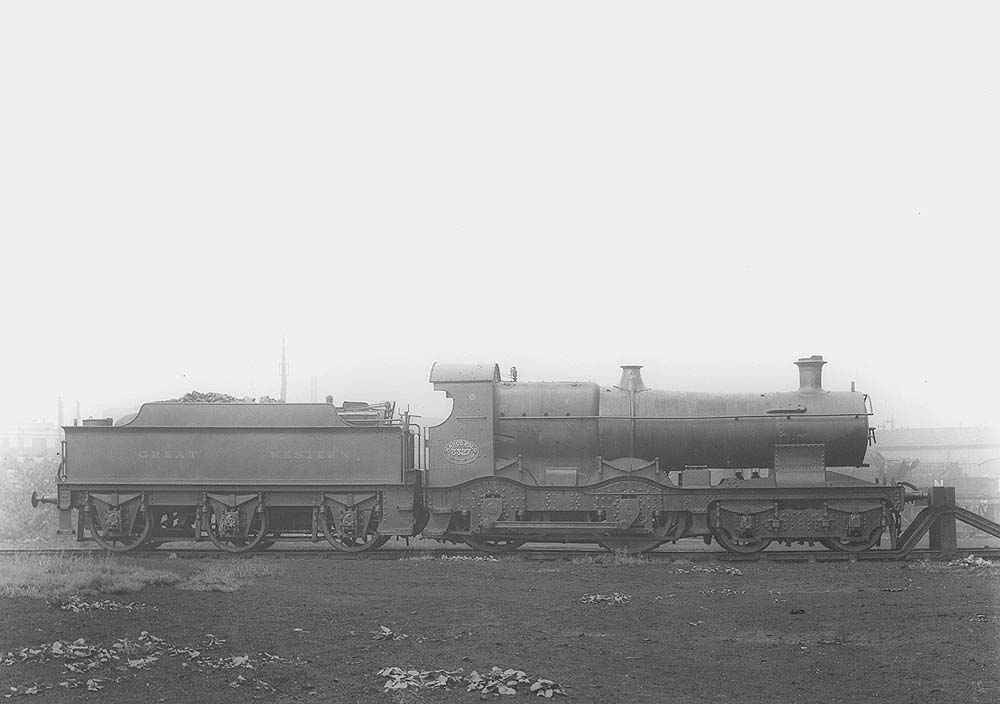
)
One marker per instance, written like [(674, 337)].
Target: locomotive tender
[(624, 466)]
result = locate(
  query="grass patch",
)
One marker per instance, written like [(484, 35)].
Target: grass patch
[(57, 577), (227, 575)]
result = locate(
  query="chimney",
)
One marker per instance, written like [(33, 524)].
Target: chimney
[(631, 380), (811, 374)]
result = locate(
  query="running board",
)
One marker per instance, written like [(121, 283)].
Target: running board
[(559, 525)]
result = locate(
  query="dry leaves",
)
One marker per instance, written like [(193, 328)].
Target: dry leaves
[(712, 569), (91, 685), (399, 678), (496, 681), (970, 561), (77, 605), (723, 591), (617, 599), (386, 633), (127, 654)]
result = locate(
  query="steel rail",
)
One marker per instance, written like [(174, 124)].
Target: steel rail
[(776, 414), (528, 554)]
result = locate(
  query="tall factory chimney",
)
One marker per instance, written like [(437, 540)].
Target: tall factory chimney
[(59, 419), (284, 373)]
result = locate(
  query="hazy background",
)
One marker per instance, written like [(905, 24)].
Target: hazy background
[(711, 190)]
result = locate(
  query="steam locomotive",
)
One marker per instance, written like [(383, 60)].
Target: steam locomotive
[(624, 466)]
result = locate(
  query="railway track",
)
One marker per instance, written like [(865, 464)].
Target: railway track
[(539, 553)]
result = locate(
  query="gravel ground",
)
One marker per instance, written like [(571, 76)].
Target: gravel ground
[(311, 630)]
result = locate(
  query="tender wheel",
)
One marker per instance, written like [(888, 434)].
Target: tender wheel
[(630, 546), (255, 533), (370, 541), (115, 543), (739, 545), (493, 546), (843, 545)]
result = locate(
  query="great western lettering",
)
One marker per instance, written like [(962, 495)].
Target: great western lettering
[(168, 454), (303, 454)]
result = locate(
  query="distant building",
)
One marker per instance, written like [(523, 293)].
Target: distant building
[(965, 458), (975, 451), (30, 441)]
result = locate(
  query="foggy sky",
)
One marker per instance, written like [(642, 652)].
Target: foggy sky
[(712, 191)]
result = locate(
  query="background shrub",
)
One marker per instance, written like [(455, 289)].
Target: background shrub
[(18, 478)]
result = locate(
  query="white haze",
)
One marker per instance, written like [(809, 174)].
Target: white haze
[(711, 190)]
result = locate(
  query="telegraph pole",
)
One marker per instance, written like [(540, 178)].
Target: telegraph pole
[(284, 373)]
